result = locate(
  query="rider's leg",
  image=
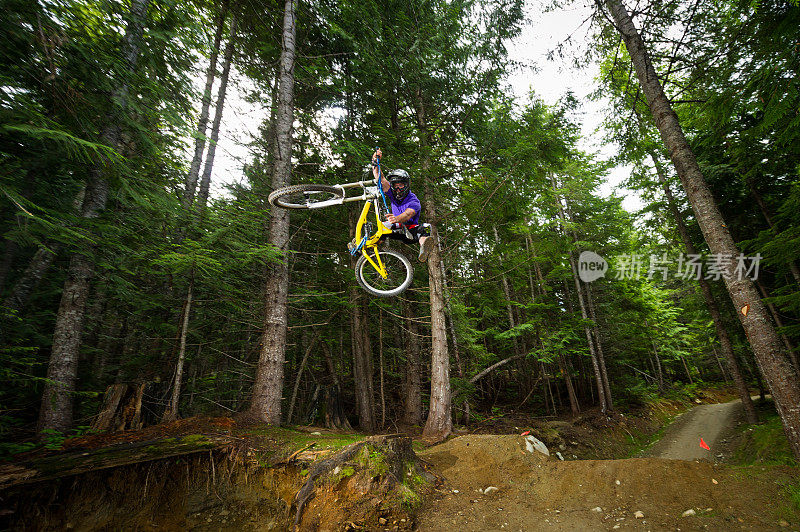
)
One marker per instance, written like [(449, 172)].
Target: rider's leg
[(425, 247), (426, 244)]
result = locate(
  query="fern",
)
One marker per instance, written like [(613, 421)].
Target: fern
[(76, 148)]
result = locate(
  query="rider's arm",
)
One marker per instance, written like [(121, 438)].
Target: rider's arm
[(403, 217), (385, 185)]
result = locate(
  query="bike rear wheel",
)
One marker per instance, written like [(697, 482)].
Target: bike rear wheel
[(304, 196), (399, 272)]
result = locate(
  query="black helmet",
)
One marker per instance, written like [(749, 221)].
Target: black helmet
[(400, 182)]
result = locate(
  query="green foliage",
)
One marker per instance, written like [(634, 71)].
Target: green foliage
[(373, 460), (499, 172), (412, 488), (765, 443)]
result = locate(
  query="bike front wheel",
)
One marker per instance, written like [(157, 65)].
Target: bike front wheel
[(305, 196), (399, 274)]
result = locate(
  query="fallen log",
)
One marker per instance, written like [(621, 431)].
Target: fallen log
[(74, 463)]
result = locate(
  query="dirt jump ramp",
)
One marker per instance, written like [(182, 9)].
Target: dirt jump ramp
[(537, 492)]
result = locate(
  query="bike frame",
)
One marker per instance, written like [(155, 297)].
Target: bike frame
[(370, 195), (367, 195), (370, 242)]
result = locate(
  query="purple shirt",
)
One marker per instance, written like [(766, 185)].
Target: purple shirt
[(409, 202)]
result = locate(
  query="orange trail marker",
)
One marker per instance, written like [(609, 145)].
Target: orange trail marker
[(745, 309), (704, 445)]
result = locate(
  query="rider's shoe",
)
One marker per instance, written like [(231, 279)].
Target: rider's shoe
[(425, 249)]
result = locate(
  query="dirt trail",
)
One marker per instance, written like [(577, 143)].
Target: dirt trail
[(536, 492), (712, 423)]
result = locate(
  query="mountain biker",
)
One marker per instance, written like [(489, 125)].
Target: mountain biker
[(405, 209)]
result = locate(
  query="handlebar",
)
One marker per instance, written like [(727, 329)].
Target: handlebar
[(378, 181)]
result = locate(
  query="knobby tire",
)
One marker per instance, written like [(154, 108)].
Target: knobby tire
[(400, 273), (303, 196)]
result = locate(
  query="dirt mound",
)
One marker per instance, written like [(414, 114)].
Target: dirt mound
[(482, 460), (538, 493)]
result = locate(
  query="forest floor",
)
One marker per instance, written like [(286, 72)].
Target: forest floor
[(672, 487), (642, 471)]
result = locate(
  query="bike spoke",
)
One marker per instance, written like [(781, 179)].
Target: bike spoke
[(396, 274), (309, 198)]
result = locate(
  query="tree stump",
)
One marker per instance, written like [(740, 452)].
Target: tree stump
[(122, 408), (334, 413), (384, 464)]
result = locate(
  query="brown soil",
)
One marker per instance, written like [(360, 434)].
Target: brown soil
[(533, 491), (540, 493)]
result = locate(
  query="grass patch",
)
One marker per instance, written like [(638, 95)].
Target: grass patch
[(641, 441), (658, 415), (765, 443)]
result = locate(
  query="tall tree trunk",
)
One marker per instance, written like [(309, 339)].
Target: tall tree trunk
[(300, 375), (778, 371), (721, 367), (507, 293), (205, 181), (38, 265), (601, 359), (439, 424), (686, 368), (265, 401), (380, 367), (601, 395), (362, 368), (659, 371), (362, 352), (202, 122), (412, 382), (566, 367), (536, 287), (574, 405), (456, 353), (18, 296), (171, 413), (62, 370), (711, 303), (334, 413), (9, 254)]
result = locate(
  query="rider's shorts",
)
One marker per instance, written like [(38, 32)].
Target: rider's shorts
[(410, 234)]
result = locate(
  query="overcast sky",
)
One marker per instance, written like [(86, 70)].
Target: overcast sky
[(550, 81), (553, 78)]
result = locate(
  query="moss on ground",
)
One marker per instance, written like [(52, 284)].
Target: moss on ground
[(294, 439), (373, 461), (764, 443), (412, 488)]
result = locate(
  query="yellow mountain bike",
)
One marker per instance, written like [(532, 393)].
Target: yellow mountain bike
[(382, 273)]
